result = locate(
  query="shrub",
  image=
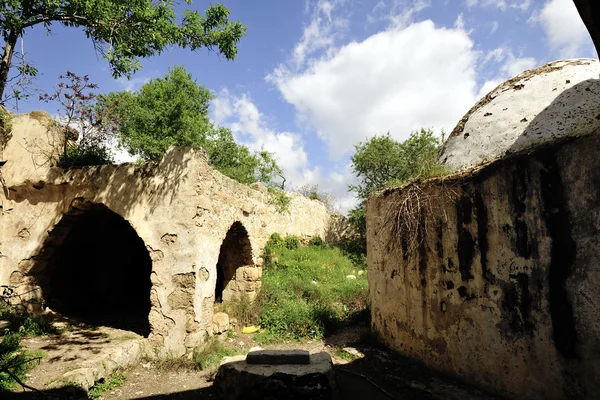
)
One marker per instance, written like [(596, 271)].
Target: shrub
[(292, 242), (355, 250), (316, 241), (24, 323), (85, 154)]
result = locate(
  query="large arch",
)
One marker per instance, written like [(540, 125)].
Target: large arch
[(235, 253), (99, 270)]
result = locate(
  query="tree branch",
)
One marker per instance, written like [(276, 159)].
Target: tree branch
[(59, 17)]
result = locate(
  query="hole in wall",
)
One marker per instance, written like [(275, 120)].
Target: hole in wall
[(99, 270)]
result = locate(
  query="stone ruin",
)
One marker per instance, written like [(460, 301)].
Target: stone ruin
[(491, 273), (147, 247)]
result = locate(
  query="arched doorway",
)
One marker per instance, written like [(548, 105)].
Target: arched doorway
[(235, 252), (99, 271)]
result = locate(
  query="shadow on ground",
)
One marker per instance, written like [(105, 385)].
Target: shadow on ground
[(379, 375)]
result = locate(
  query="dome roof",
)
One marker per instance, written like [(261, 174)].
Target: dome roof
[(537, 107)]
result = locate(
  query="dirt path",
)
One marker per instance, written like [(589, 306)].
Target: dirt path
[(375, 373)]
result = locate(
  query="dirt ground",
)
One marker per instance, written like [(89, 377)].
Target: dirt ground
[(375, 373)]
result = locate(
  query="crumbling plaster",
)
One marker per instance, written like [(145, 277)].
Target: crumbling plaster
[(181, 208), (491, 274)]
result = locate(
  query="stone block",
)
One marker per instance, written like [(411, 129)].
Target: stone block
[(237, 379), (220, 323), (278, 357)]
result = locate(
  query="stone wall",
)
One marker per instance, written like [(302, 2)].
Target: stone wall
[(181, 209), (492, 275)]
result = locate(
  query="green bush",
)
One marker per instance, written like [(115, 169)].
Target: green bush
[(355, 250), (292, 242), (316, 241), (275, 240), (85, 154)]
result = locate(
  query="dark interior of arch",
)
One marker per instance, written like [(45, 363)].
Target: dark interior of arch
[(99, 272), (235, 252)]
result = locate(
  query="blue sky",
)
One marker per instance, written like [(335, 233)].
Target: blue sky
[(313, 78)]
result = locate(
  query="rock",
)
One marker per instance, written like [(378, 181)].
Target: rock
[(540, 106), (4, 325), (350, 276), (220, 323), (353, 352), (361, 272), (315, 283), (278, 357), (237, 379)]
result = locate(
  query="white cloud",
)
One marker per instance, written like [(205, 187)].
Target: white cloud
[(321, 33), (503, 5), (459, 23), (565, 32), (399, 13), (510, 67), (494, 28), (132, 84), (242, 116), (398, 80)]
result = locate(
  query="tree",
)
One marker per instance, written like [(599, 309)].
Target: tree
[(313, 192), (168, 111), (122, 31), (174, 111), (81, 122), (382, 161)]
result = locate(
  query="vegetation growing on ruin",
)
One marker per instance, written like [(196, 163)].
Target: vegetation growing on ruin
[(382, 161), (280, 199), (5, 126), (174, 111), (307, 290), (313, 192)]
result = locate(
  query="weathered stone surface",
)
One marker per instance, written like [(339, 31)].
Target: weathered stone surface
[(220, 323), (539, 107), (181, 209), (278, 357), (236, 379), (498, 282)]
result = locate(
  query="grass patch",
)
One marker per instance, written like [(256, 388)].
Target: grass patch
[(15, 362), (243, 310), (210, 355), (206, 357), (306, 292), (106, 385), (174, 364)]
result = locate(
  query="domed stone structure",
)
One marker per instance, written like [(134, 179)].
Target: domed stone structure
[(538, 107)]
